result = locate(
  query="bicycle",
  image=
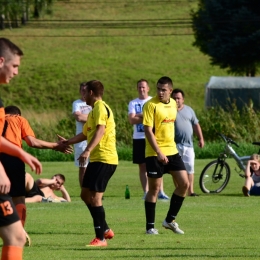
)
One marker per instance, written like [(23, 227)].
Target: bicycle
[(216, 174)]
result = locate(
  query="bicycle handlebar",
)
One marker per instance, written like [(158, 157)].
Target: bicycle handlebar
[(228, 140)]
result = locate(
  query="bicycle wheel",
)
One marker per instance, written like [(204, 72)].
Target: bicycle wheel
[(214, 177)]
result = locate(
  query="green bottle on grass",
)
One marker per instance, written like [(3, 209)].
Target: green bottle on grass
[(127, 192)]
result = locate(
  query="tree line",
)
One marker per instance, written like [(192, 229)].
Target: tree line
[(14, 13)]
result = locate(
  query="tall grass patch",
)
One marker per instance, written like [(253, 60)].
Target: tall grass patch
[(241, 125)]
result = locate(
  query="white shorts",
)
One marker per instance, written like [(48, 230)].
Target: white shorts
[(79, 148), (187, 154)]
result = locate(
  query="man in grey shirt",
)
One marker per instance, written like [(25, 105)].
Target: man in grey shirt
[(185, 125)]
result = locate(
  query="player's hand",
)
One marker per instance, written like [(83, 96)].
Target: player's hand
[(61, 138), (63, 147), (5, 183), (33, 162), (201, 143), (83, 158), (162, 158)]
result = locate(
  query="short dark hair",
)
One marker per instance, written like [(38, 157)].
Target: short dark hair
[(178, 90), (13, 110), (8, 48), (165, 80), (142, 80), (96, 86), (60, 175), (83, 84)]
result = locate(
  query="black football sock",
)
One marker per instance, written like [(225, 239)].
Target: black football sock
[(150, 214), (106, 227), (175, 205), (98, 214), (90, 209)]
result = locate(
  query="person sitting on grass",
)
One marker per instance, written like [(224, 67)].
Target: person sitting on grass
[(252, 175), (42, 190)]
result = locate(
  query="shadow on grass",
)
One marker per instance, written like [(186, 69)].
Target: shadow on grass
[(222, 195)]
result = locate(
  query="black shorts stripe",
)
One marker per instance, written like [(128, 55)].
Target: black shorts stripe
[(156, 169)]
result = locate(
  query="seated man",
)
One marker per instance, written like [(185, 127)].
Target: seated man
[(42, 190)]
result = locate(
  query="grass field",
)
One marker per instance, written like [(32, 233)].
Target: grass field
[(149, 41), (222, 226)]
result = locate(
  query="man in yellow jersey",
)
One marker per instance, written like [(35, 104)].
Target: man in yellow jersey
[(99, 130), (161, 155), (11, 229)]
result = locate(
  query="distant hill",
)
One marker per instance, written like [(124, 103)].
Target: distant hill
[(115, 42)]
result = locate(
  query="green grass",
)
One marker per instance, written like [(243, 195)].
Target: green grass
[(221, 226), (58, 57)]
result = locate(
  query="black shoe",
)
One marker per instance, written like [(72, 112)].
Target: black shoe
[(194, 195)]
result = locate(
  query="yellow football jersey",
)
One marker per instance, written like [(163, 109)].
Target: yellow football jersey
[(105, 151), (161, 118)]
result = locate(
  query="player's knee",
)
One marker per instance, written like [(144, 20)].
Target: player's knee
[(83, 198), (17, 238), (22, 239), (184, 186), (154, 190)]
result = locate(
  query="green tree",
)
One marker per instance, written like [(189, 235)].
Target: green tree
[(229, 32), (13, 13)]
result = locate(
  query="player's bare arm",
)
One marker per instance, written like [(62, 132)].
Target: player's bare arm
[(11, 149), (4, 181), (250, 164), (36, 143), (65, 194), (151, 139), (135, 118), (100, 131), (75, 139), (41, 144), (45, 182), (198, 132), (80, 117)]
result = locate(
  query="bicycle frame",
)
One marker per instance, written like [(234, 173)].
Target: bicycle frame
[(216, 174), (228, 150)]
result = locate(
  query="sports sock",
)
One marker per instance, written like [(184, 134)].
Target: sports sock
[(150, 214), (105, 223), (21, 210), (89, 208), (175, 205), (106, 227), (98, 215), (12, 253)]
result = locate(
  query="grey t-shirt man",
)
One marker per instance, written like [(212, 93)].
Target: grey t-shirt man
[(184, 122)]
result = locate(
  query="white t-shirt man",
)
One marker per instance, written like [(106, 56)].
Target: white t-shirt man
[(136, 107), (80, 106)]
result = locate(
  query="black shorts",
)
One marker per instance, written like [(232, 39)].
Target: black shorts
[(138, 151), (156, 169), (97, 176), (35, 190), (15, 170), (8, 214)]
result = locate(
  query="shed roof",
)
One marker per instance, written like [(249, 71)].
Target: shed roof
[(233, 82)]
